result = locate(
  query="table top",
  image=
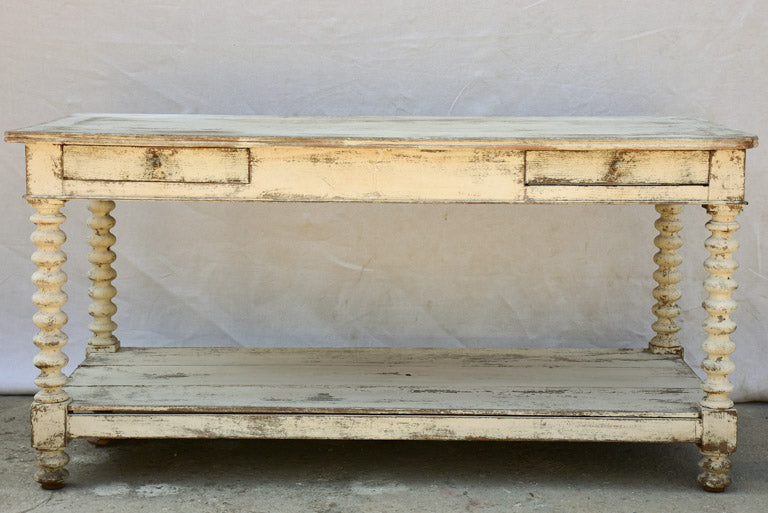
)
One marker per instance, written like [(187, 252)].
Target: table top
[(513, 133)]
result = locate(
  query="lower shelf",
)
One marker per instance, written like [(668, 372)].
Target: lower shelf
[(385, 393)]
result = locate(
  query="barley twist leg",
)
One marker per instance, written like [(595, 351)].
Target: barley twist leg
[(101, 291), (51, 400), (719, 437), (667, 276)]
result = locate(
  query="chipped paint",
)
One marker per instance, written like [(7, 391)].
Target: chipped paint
[(487, 160)]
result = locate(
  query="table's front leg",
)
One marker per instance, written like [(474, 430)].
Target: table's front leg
[(718, 415), (49, 410), (102, 291)]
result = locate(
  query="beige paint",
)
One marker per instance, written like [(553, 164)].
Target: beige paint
[(155, 164), (507, 160), (726, 175), (49, 408), (519, 382), (44, 168), (719, 305), (101, 275), (386, 174), (534, 133), (717, 442), (49, 425), (384, 427), (307, 393), (667, 276), (616, 167)]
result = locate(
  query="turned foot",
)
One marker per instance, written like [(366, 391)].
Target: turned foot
[(51, 472), (715, 467)]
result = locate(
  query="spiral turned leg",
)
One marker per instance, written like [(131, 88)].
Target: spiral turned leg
[(101, 291), (719, 417), (667, 276), (48, 423)]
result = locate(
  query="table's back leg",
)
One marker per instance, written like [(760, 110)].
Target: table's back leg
[(49, 410), (102, 291), (718, 415), (667, 276)]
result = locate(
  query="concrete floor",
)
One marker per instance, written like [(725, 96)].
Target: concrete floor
[(335, 477)]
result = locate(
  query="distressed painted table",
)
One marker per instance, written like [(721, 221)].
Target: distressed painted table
[(643, 395)]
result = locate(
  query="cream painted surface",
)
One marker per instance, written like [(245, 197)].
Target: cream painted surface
[(44, 168), (465, 160), (617, 167), (717, 443), (668, 275), (49, 409), (726, 174), (719, 305), (101, 275), (337, 381), (383, 427), (49, 426), (553, 133), (387, 174), (154, 164), (616, 194), (551, 382)]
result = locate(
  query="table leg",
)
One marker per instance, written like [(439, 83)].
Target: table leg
[(49, 409), (718, 415), (667, 276), (102, 291)]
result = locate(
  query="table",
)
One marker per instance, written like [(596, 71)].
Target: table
[(644, 394)]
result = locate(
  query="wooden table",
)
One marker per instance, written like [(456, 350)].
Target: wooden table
[(645, 394)]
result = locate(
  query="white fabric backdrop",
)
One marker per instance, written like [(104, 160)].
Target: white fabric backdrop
[(369, 275)]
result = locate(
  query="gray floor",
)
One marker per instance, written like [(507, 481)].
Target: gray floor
[(334, 477)]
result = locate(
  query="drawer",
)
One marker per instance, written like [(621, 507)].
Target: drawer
[(617, 167), (154, 164)]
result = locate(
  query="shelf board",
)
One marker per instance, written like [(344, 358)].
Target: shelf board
[(621, 383)]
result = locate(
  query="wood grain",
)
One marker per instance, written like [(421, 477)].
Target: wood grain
[(387, 380), (385, 427), (512, 133)]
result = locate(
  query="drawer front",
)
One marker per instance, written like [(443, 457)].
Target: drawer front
[(154, 164), (617, 167)]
